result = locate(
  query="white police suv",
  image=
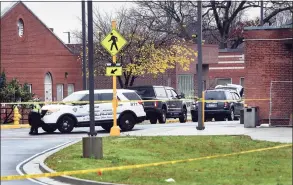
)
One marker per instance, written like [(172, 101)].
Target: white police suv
[(69, 114)]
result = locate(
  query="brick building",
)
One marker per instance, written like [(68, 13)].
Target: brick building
[(32, 53), (269, 71), (182, 81), (229, 69)]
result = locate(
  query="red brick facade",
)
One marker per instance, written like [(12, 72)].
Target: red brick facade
[(268, 60), (230, 66), (38, 52)]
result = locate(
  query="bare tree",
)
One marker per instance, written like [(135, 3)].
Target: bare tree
[(219, 17), (146, 52)]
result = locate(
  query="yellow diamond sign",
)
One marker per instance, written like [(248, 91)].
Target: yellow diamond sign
[(113, 42)]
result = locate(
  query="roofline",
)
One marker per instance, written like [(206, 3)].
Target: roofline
[(268, 27), (20, 2), (9, 9)]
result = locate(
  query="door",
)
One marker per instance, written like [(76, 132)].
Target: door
[(238, 103), (60, 92), (177, 101), (105, 109), (48, 87)]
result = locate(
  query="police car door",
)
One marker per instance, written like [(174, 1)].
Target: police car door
[(105, 106), (82, 110)]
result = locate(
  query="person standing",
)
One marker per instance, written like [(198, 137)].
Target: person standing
[(34, 119)]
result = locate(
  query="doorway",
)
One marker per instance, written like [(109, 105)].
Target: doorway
[(48, 87)]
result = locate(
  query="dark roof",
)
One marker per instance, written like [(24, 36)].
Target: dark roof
[(14, 4)]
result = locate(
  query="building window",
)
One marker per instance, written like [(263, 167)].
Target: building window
[(20, 27), (224, 81), (242, 81), (59, 92), (30, 87), (70, 89)]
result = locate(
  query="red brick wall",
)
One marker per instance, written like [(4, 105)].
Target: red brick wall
[(230, 65), (29, 59), (266, 61)]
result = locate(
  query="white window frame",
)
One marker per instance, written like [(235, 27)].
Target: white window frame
[(30, 86)]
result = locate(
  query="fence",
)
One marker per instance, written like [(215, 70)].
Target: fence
[(6, 114), (280, 102)]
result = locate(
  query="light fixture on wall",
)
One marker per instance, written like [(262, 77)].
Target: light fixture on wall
[(66, 75)]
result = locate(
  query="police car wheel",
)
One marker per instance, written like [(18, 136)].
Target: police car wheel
[(66, 124), (49, 128), (127, 122)]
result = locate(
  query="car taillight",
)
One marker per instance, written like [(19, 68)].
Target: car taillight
[(156, 104), (226, 105), (140, 102)]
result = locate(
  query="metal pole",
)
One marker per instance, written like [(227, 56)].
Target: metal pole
[(91, 69), (261, 13), (83, 44), (115, 131), (270, 113), (199, 65)]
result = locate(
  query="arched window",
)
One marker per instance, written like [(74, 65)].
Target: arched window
[(20, 27)]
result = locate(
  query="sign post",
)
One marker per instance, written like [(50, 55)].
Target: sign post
[(113, 43)]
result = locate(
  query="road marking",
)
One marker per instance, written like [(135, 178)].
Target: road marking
[(54, 174), (34, 156)]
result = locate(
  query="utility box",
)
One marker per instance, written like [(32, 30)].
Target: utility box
[(92, 147), (251, 117)]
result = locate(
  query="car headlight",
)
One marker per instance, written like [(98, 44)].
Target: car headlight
[(50, 111)]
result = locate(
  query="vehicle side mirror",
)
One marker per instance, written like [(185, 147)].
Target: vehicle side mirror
[(182, 95)]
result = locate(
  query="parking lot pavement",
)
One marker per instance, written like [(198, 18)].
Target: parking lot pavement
[(277, 134), (274, 134)]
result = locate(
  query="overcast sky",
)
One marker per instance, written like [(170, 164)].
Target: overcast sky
[(64, 16)]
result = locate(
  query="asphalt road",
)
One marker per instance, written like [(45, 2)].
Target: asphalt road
[(17, 145)]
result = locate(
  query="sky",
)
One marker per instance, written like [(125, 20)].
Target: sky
[(64, 16)]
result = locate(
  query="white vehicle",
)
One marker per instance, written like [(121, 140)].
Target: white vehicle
[(238, 88), (66, 116)]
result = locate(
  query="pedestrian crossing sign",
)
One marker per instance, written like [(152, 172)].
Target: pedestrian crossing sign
[(113, 42)]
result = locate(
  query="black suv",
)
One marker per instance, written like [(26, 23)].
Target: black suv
[(162, 102), (228, 106)]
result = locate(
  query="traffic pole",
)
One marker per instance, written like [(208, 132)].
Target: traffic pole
[(115, 130), (91, 69), (199, 64), (83, 45)]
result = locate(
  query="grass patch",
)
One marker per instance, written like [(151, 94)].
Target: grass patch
[(272, 167)]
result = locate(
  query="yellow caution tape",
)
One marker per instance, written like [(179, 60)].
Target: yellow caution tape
[(124, 101), (55, 174)]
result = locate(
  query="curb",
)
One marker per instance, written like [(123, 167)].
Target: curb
[(68, 179), (15, 126), (28, 126)]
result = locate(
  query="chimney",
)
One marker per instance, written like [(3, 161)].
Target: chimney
[(52, 29)]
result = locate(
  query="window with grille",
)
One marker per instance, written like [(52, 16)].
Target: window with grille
[(224, 81)]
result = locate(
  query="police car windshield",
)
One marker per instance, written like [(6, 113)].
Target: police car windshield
[(73, 97)]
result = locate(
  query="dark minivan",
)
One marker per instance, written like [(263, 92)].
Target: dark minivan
[(220, 104)]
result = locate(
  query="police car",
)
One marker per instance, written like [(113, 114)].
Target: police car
[(69, 114)]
